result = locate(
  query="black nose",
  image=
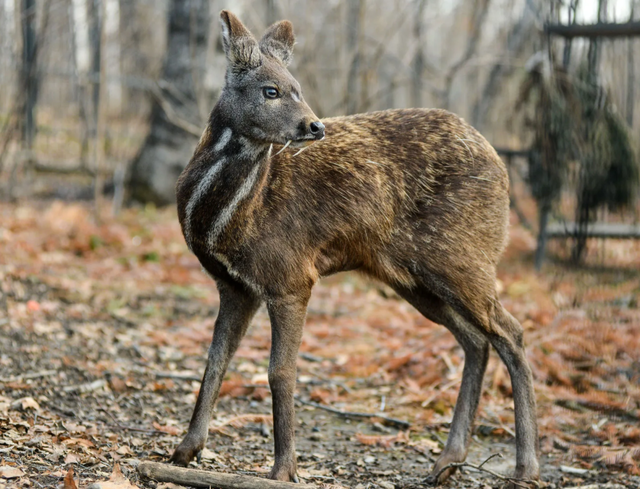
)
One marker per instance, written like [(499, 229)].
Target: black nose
[(317, 129)]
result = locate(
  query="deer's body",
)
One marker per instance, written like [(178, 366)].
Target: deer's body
[(388, 193), (416, 198)]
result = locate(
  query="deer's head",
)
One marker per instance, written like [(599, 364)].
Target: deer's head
[(262, 99)]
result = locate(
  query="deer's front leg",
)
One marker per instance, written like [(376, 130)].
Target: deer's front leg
[(237, 307), (287, 320)]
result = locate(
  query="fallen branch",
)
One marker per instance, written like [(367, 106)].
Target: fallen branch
[(580, 405), (178, 376), (399, 423), (201, 478), (29, 376), (524, 483), (84, 388)]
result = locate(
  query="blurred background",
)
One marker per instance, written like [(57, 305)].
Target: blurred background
[(105, 314), (105, 99)]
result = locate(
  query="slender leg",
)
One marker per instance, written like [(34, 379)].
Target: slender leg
[(476, 349), (507, 339), (287, 320), (237, 308)]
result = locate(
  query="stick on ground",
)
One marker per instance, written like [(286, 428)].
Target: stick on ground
[(204, 478), (398, 423), (524, 483)]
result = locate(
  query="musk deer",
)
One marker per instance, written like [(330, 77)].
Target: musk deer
[(415, 198)]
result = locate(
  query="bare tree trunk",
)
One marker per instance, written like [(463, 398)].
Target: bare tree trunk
[(355, 12), (631, 72), (571, 11), (94, 11), (97, 12), (418, 59), (79, 92), (29, 76), (480, 10), (133, 60), (170, 142), (518, 38), (273, 12)]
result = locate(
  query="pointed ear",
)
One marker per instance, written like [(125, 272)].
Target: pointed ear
[(278, 41), (239, 44)]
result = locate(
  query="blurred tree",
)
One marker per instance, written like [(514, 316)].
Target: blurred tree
[(174, 118), (355, 16), (134, 59), (29, 79), (417, 73)]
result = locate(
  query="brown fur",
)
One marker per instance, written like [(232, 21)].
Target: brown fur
[(415, 198)]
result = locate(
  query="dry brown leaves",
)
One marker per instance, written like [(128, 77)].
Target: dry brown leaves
[(106, 306)]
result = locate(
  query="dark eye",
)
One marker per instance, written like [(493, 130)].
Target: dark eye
[(270, 92)]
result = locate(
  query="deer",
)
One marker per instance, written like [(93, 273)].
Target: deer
[(273, 199)]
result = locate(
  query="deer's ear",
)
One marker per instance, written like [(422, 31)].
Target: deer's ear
[(278, 41), (239, 44)]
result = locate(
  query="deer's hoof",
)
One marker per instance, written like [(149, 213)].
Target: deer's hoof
[(284, 474), (185, 453), (439, 474)]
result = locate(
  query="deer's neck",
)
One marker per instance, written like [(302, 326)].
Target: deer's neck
[(220, 182)]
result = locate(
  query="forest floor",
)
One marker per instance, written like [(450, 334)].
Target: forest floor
[(104, 330)]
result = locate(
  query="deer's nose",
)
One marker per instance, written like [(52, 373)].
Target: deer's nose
[(317, 129)]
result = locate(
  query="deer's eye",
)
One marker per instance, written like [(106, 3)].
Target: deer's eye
[(270, 92)]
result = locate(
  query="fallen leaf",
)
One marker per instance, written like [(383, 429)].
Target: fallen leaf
[(7, 472), (116, 481), (69, 483), (172, 430), (25, 403)]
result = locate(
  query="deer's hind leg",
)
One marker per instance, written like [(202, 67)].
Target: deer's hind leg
[(476, 349), (506, 336), (476, 322)]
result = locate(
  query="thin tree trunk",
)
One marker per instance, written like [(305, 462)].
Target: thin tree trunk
[(29, 76), (80, 89), (571, 11), (97, 11), (355, 10), (273, 12), (518, 38), (480, 10), (169, 143), (132, 60), (418, 60), (631, 73)]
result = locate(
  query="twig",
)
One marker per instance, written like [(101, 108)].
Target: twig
[(91, 386), (201, 478), (350, 414), (177, 375), (31, 376), (517, 481)]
